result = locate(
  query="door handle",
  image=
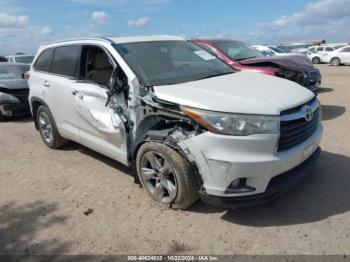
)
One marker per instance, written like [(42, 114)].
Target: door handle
[(46, 83)]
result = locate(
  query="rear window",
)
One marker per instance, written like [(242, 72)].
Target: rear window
[(12, 71), (24, 59), (43, 63), (66, 60)]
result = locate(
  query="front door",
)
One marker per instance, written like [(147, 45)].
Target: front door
[(345, 55), (100, 128)]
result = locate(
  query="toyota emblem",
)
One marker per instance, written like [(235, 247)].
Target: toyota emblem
[(308, 113)]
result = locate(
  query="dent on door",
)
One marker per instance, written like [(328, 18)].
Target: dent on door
[(90, 104)]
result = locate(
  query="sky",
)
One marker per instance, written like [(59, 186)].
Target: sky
[(24, 25)]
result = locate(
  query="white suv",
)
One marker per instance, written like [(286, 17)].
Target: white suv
[(193, 126)]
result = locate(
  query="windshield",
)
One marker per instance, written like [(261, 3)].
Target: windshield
[(238, 50), (12, 71), (24, 59), (170, 62), (278, 50)]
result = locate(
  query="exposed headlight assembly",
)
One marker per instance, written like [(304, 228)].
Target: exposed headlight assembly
[(8, 99), (234, 124), (286, 74)]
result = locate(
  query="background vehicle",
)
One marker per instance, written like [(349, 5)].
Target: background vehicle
[(243, 57), (273, 51), (23, 59), (317, 53), (155, 101), (300, 46), (2, 59), (13, 90), (338, 57)]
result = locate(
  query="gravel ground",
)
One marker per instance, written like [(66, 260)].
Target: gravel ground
[(43, 194)]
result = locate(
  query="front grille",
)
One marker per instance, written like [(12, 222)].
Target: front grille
[(294, 127)]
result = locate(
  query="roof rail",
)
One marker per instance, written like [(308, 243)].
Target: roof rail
[(78, 39)]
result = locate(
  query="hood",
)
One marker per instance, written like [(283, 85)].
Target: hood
[(243, 92), (17, 87), (299, 63)]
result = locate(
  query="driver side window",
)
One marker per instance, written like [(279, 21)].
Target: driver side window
[(96, 65)]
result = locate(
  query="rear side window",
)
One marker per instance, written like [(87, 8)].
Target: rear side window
[(66, 59), (329, 49), (43, 63), (319, 49), (347, 50)]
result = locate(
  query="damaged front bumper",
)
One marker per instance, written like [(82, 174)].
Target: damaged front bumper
[(253, 160), (311, 80), (276, 186)]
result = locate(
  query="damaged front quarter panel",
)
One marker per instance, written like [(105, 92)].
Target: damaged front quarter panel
[(163, 122)]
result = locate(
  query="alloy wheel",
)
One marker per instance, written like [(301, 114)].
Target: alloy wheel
[(335, 62), (158, 177), (45, 127)]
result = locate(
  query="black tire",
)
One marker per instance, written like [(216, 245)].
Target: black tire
[(316, 60), (187, 189), (55, 141), (335, 61)]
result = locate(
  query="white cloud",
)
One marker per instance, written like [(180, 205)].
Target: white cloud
[(46, 30), (100, 17), (139, 22), (11, 21), (320, 19)]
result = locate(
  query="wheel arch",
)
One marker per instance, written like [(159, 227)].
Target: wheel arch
[(35, 103), (335, 57), (164, 137)]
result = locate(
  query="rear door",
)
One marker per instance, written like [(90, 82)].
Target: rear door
[(60, 90)]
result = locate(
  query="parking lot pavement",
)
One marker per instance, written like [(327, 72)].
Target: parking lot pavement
[(44, 194)]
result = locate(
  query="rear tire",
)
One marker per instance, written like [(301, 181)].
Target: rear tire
[(47, 128), (316, 60), (335, 61), (180, 190)]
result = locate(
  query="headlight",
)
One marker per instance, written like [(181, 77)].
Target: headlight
[(234, 124), (8, 99), (286, 74)]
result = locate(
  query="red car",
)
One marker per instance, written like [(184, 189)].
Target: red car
[(240, 56)]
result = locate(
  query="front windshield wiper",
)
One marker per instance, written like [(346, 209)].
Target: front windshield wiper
[(214, 75)]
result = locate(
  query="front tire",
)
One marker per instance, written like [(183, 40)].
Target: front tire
[(335, 61), (48, 129), (316, 60), (166, 175)]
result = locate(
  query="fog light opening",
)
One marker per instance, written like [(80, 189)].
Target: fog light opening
[(239, 186)]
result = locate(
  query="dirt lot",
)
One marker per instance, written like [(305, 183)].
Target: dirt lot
[(43, 194)]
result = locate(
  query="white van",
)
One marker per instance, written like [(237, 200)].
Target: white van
[(192, 126)]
